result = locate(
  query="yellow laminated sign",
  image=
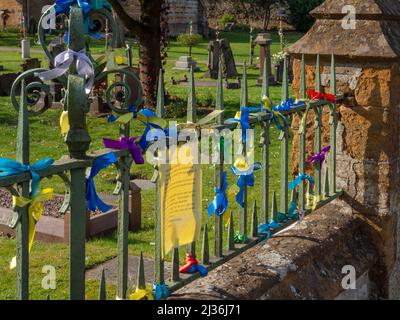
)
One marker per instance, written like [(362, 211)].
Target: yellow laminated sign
[(180, 193)]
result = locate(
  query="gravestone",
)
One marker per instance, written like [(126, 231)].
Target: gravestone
[(185, 62), (30, 63), (25, 49), (264, 41), (220, 49), (56, 46)]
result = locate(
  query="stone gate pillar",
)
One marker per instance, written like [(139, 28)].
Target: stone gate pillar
[(368, 74)]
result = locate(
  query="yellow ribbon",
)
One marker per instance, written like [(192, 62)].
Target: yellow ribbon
[(312, 200), (142, 294), (125, 118), (64, 122), (35, 212), (277, 115)]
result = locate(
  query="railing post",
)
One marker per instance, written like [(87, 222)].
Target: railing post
[(264, 142), (302, 133), (333, 127), (22, 228), (317, 127), (284, 137), (158, 258), (161, 95), (244, 104), (191, 103), (77, 234), (219, 168), (191, 117), (77, 138)]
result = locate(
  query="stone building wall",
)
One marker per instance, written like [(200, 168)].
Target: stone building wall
[(180, 14), (14, 11), (368, 157)]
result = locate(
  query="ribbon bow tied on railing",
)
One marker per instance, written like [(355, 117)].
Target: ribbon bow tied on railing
[(192, 266), (287, 105), (142, 294), (64, 6), (125, 143), (220, 202), (301, 177), (35, 212), (314, 95), (264, 230), (144, 115), (293, 214), (93, 200), (240, 238), (319, 157), (243, 118), (63, 61), (10, 167), (278, 118), (160, 291), (245, 173)]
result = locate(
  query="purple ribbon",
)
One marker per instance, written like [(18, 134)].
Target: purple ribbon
[(319, 157), (125, 143)]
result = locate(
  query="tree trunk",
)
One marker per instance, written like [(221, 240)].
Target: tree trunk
[(150, 63), (147, 30), (267, 16)]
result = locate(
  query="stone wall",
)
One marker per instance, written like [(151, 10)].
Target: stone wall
[(305, 261), (367, 148)]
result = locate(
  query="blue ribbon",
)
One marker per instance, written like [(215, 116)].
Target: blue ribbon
[(160, 291), (220, 202), (9, 167), (64, 6), (245, 178), (145, 112), (264, 230), (301, 177), (198, 268), (287, 105), (244, 121), (93, 200)]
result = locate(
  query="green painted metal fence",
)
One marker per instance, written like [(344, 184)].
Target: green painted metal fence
[(78, 141)]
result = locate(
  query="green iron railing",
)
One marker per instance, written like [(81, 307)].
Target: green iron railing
[(76, 102)]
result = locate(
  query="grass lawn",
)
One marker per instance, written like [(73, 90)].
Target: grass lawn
[(47, 141)]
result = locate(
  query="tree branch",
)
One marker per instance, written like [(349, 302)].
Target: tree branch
[(130, 23)]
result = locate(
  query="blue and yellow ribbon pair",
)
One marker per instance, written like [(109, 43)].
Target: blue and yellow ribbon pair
[(220, 202), (160, 291), (300, 178), (264, 230), (278, 118), (10, 167), (288, 105), (245, 173), (144, 115), (93, 200), (35, 212)]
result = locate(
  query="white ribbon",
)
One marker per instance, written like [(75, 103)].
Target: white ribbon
[(62, 62)]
